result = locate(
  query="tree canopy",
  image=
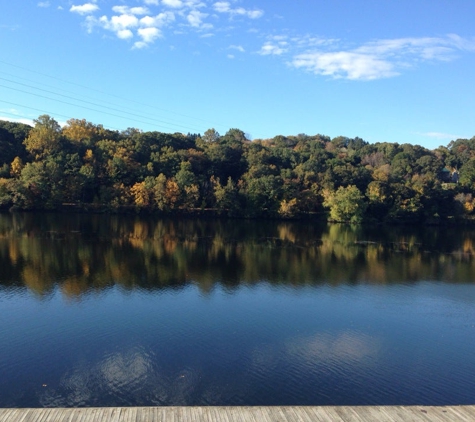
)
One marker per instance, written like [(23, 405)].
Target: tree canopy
[(347, 179)]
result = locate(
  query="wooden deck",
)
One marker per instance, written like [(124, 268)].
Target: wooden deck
[(243, 414)]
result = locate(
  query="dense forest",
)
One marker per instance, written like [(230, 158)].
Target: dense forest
[(84, 166)]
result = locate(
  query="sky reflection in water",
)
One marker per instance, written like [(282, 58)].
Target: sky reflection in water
[(119, 311)]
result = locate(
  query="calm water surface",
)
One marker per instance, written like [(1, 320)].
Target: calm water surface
[(129, 311)]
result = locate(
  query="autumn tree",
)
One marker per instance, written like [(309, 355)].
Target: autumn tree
[(45, 138)]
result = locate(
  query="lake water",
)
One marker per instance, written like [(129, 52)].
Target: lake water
[(129, 311)]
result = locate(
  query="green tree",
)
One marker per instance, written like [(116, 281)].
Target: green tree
[(346, 204), (227, 199)]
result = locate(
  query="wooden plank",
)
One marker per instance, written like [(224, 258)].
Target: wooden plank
[(5, 414), (163, 415), (51, 415), (21, 417), (314, 413), (56, 415), (348, 413), (432, 413), (308, 415), (468, 410), (460, 413), (400, 413), (244, 414)]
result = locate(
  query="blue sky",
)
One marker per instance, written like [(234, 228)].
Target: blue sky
[(386, 71)]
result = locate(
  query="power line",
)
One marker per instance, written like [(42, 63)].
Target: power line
[(88, 102), (71, 92), (39, 110), (75, 105), (106, 93)]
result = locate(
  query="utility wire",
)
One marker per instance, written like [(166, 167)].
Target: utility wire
[(39, 110), (106, 93), (89, 102), (74, 93), (75, 105)]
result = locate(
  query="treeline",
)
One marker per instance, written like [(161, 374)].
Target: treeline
[(84, 165)]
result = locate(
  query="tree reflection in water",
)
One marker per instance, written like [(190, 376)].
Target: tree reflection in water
[(81, 254)]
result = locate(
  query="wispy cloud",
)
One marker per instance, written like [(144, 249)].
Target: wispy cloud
[(271, 49), (10, 27), (44, 4), (345, 64), (441, 136), (275, 46), (84, 9), (195, 19), (379, 59), (225, 7), (239, 48)]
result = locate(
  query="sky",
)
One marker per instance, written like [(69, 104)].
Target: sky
[(383, 70)]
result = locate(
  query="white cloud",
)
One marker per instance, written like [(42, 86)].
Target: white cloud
[(125, 34), (230, 56), (426, 48), (124, 10), (149, 35), (254, 14), (173, 3), (140, 44), (195, 18), (44, 4), (125, 26), (84, 9), (119, 22), (237, 47), (377, 59), (160, 20), (274, 49), (127, 22), (225, 7), (345, 64), (222, 7)]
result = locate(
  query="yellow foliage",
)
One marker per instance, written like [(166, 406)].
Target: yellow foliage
[(79, 130), (381, 174), (89, 155), (172, 193), (140, 194), (288, 208), (469, 206), (16, 167)]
